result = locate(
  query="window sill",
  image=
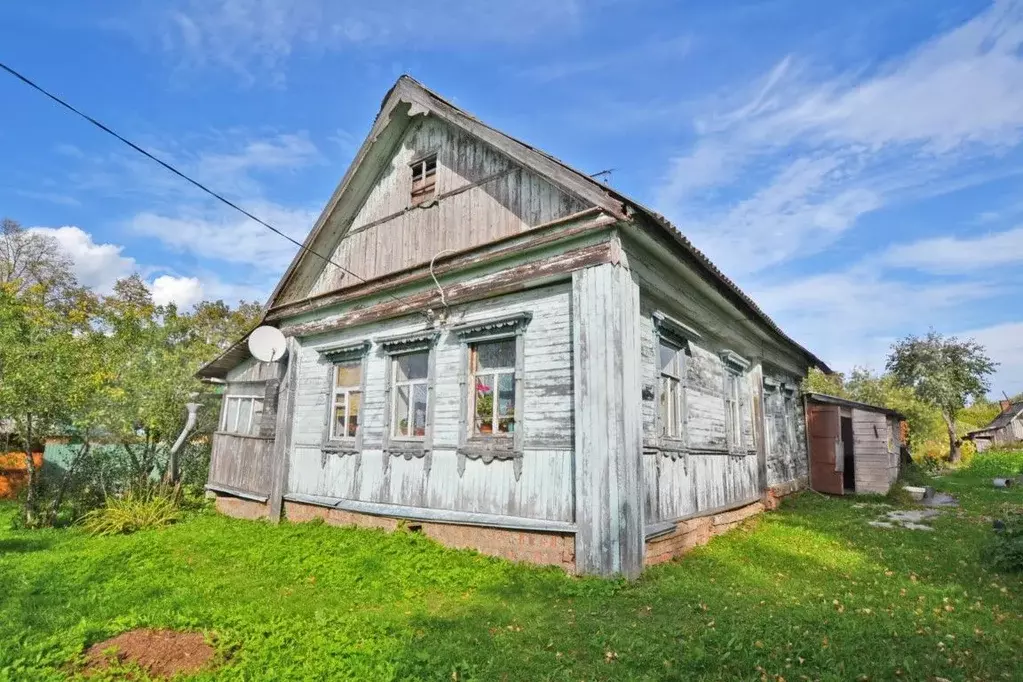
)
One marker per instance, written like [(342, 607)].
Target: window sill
[(342, 447), (409, 448), (476, 449), (242, 435)]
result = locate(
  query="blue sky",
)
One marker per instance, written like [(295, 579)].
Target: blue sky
[(856, 167)]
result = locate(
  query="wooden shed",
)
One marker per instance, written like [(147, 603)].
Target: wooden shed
[(1006, 429), (854, 447)]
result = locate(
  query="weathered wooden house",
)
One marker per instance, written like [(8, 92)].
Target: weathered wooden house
[(855, 447), (505, 354), (1004, 430)]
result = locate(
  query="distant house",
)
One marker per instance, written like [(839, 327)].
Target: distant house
[(1006, 429), (504, 354)]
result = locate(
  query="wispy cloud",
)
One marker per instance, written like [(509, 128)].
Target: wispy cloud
[(952, 255), (613, 61), (801, 159), (254, 38)]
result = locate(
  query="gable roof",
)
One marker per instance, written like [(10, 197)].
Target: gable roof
[(409, 97), (1002, 420)]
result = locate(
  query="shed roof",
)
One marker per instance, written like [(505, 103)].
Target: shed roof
[(1003, 419), (844, 402)]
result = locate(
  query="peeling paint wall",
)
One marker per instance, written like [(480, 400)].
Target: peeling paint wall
[(544, 490)]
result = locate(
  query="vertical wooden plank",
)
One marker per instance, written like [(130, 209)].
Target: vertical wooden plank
[(285, 426), (608, 434)]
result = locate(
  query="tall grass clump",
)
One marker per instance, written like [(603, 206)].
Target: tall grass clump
[(131, 512)]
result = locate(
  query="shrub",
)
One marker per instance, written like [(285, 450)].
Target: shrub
[(1006, 551), (134, 511)]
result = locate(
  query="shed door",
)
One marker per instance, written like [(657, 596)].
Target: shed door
[(825, 440)]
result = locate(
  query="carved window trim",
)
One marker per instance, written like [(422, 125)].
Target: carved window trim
[(494, 447), (735, 402), (356, 352), (403, 344), (679, 335)]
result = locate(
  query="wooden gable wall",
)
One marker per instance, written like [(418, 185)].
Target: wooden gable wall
[(480, 197)]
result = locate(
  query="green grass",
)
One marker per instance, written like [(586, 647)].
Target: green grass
[(808, 592)]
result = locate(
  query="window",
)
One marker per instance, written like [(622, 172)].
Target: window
[(492, 369), (410, 391), (671, 361), (346, 400), (424, 179), (733, 411), (242, 415), (790, 421)]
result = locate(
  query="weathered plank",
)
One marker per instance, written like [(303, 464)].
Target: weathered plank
[(241, 462), (608, 442)]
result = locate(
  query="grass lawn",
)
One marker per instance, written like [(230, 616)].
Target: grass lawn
[(808, 592)]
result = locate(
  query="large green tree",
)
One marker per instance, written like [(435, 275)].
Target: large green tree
[(944, 372)]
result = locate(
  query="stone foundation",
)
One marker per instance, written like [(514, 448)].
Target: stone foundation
[(537, 547), (239, 508)]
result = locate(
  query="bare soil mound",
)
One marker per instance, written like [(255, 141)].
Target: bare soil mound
[(162, 653)]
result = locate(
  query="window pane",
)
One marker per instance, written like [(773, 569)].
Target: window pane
[(668, 357), (354, 404), (506, 403), (401, 401), (495, 355), (419, 410), (337, 428), (484, 400), (257, 416), (411, 366), (348, 374), (231, 415), (244, 411)]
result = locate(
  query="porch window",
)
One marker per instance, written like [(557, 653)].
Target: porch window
[(410, 395), (242, 415), (346, 400), (672, 363), (492, 368)]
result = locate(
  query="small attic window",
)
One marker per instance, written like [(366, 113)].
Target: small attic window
[(424, 179)]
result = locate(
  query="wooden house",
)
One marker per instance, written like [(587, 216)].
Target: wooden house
[(855, 447), (496, 350), (1004, 430)]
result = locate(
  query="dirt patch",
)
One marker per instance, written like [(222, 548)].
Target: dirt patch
[(162, 653)]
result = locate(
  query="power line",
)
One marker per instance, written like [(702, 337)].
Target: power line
[(172, 169)]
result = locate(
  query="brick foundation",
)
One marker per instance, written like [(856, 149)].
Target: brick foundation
[(239, 508), (695, 532), (537, 547)]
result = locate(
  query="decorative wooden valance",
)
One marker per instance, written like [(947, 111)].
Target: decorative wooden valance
[(497, 326), (673, 330), (351, 351), (407, 343), (734, 361)]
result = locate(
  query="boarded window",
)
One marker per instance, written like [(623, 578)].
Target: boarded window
[(671, 361), (492, 367), (346, 400), (410, 393), (424, 179), (242, 415)]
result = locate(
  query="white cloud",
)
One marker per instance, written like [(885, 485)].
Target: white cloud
[(182, 291), (230, 237), (950, 255), (243, 34), (96, 266), (851, 317), (803, 158), (1004, 343), (233, 172)]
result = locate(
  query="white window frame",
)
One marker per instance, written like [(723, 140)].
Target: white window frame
[(672, 384), (346, 393), (224, 428), (733, 411), (410, 384), (496, 373)]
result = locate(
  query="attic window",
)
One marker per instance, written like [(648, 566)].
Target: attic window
[(424, 179)]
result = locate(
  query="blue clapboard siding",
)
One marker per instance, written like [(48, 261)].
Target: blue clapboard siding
[(545, 489)]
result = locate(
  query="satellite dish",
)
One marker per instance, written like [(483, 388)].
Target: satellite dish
[(267, 344)]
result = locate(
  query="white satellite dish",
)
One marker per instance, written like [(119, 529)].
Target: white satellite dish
[(267, 344)]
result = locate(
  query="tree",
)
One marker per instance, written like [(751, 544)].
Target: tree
[(817, 381), (29, 260), (943, 372)]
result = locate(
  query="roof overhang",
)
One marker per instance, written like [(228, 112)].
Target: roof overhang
[(826, 399)]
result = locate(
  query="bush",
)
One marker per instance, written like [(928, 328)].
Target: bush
[(134, 511), (1006, 551)]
